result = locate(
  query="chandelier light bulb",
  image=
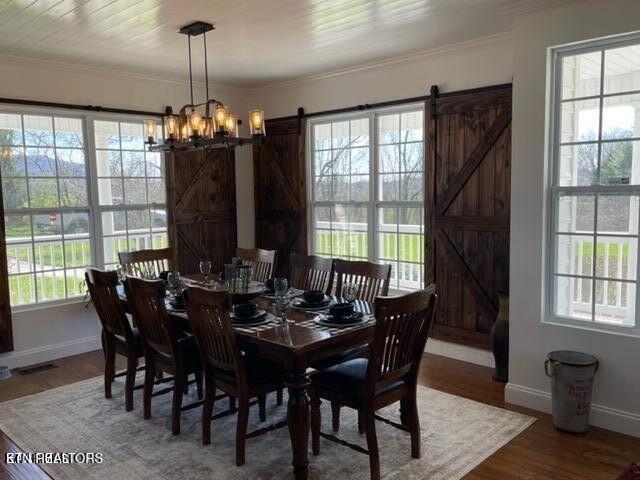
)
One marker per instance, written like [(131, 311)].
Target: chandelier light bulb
[(150, 130), (256, 122), (194, 120), (171, 125)]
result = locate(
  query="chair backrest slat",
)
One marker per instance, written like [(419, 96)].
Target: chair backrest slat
[(146, 302), (146, 263), (262, 261), (102, 288), (310, 272), (371, 279), (208, 313), (402, 327)]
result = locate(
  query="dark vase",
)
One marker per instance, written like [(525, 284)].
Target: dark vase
[(500, 340)]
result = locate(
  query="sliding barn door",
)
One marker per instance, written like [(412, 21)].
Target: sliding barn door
[(280, 193), (468, 187), (201, 203)]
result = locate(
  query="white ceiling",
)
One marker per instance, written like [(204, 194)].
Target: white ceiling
[(256, 42)]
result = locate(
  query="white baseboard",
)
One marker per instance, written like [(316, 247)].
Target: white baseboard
[(601, 415), (460, 352), (47, 353)]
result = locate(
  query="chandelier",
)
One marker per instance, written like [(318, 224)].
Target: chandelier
[(202, 126)]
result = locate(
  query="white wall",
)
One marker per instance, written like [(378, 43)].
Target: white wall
[(617, 388), (54, 332)]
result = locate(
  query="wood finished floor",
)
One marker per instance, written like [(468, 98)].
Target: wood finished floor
[(541, 452)]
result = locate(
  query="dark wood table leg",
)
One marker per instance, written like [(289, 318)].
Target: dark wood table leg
[(298, 419)]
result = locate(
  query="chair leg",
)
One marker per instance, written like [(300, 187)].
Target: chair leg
[(335, 416), (316, 420), (360, 424), (132, 367), (404, 413), (241, 432), (149, 377), (413, 421), (279, 396), (178, 392), (232, 403), (262, 407), (199, 377), (109, 364), (372, 444), (207, 408)]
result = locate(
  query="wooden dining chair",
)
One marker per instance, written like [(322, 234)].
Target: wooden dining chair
[(167, 348), (146, 263), (117, 334), (262, 261), (310, 272), (389, 375), (226, 367), (370, 279)]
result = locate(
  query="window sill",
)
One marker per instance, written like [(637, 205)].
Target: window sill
[(633, 332), (46, 305)]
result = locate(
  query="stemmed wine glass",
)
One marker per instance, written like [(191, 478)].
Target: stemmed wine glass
[(280, 286), (205, 269), (349, 292), (282, 297), (173, 280)]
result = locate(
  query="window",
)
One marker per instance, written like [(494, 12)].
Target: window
[(367, 195), (595, 184), (56, 204), (131, 190)]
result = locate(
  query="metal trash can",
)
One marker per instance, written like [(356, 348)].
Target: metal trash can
[(571, 386)]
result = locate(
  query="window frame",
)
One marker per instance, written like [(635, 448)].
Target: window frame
[(554, 191), (93, 208), (373, 204)]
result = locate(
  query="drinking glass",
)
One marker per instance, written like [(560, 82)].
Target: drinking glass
[(349, 292), (173, 280), (283, 300), (205, 269), (122, 276), (280, 286)]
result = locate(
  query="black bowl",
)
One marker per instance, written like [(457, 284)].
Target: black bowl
[(313, 297), (341, 310), (243, 310)]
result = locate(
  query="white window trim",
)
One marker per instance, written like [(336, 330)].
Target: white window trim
[(373, 204), (94, 208), (553, 112)]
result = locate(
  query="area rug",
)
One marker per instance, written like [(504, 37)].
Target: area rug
[(457, 435)]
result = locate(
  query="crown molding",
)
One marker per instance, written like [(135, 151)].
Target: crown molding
[(61, 66), (391, 61)]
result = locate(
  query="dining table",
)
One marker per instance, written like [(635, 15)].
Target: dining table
[(297, 344)]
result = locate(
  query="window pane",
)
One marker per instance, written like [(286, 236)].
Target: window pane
[(19, 257), (340, 137), (50, 285), (340, 161), (107, 134), (69, 132), (323, 186), (360, 160), (138, 221), (581, 75), (48, 255), (323, 242), (322, 136), (155, 164), (38, 131), (113, 222), (573, 297), (73, 192), (43, 193), (113, 245), (617, 163), (10, 129), (360, 132), (615, 303), (77, 253), (389, 187), (388, 129), (575, 213), (71, 163), (14, 192), (578, 165), (618, 214), (41, 162), (110, 191), (621, 68), (616, 257), (340, 188), (412, 157), (619, 117), (133, 164), (389, 158), (323, 162), (12, 159), (574, 255), (131, 136), (359, 188), (412, 128), (75, 224), (135, 191), (109, 163), (157, 190), (158, 219), (17, 227), (580, 120), (22, 289), (47, 225), (411, 187)]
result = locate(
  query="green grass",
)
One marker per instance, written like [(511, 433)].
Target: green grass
[(49, 288), (404, 247)]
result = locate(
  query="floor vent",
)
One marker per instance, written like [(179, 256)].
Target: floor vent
[(35, 368)]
